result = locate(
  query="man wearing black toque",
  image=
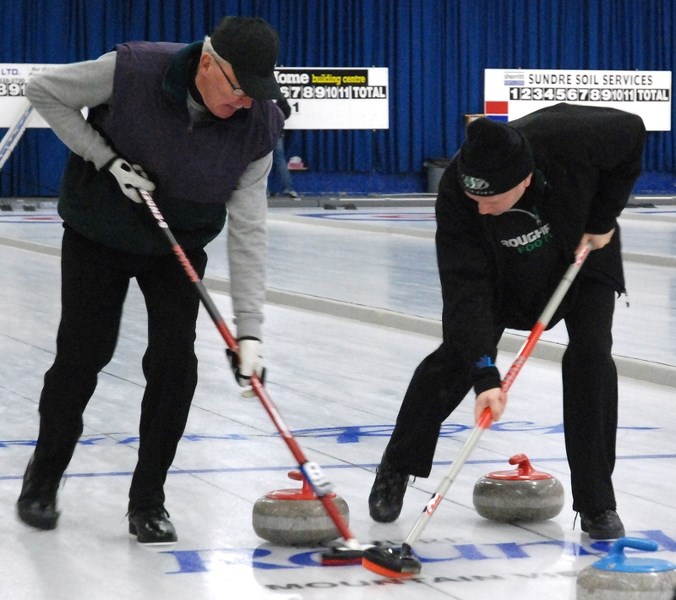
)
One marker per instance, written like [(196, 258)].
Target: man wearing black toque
[(514, 206), (195, 124)]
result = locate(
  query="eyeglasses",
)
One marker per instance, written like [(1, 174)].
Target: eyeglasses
[(236, 90)]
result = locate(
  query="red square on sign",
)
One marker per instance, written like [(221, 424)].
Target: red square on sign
[(496, 108)]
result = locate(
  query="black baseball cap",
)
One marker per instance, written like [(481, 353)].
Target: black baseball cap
[(251, 46)]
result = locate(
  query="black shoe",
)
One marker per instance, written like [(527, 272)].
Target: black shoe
[(36, 505), (387, 493), (605, 525), (152, 526)]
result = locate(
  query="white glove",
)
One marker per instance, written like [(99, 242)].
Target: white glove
[(130, 178), (248, 361)]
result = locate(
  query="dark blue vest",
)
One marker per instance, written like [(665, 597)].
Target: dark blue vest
[(195, 167)]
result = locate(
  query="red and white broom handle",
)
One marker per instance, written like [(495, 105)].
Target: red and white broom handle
[(311, 471), (486, 417), (546, 316)]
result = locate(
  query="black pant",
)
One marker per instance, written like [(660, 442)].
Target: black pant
[(441, 382), (94, 284)]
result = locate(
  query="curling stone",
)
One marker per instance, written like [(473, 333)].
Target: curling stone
[(296, 517), (616, 577), (523, 494)]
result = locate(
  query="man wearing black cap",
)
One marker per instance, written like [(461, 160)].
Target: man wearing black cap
[(514, 206), (196, 125)]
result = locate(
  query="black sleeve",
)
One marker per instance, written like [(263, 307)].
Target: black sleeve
[(467, 283), (618, 140)]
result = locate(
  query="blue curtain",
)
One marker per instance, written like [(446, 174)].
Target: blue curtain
[(436, 51)]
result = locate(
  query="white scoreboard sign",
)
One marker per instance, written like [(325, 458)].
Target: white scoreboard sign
[(341, 98), (345, 98), (13, 103), (513, 93)]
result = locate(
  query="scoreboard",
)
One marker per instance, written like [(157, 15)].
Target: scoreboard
[(513, 93)]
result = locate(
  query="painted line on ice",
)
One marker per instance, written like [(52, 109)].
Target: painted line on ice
[(294, 467)]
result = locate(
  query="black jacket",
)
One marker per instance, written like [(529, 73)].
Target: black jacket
[(587, 160)]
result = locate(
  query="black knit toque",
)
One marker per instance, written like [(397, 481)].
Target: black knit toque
[(494, 158)]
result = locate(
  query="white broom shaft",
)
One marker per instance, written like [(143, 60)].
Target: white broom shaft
[(13, 135)]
